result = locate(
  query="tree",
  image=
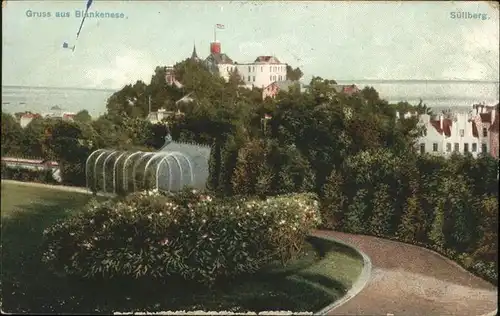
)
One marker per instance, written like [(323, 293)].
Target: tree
[(293, 74), (122, 103), (109, 134), (413, 222), (334, 200), (487, 246), (356, 211), (250, 165), (12, 135), (382, 211), (83, 116), (70, 144), (235, 78), (34, 142)]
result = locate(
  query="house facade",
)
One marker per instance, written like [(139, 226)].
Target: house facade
[(26, 118), (274, 88), (163, 116), (474, 132)]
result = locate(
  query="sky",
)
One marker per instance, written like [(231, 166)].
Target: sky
[(335, 40)]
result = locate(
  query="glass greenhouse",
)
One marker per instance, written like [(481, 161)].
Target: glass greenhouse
[(173, 167)]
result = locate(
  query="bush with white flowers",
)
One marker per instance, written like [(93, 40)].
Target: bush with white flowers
[(189, 235)]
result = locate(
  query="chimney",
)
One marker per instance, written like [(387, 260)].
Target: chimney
[(441, 121)]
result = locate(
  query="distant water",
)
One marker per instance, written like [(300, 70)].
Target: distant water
[(436, 94), (40, 100)]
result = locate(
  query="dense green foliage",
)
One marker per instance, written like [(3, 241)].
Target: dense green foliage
[(186, 236), (421, 200), (349, 149)]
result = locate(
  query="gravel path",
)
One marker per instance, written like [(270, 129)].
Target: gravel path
[(413, 281)]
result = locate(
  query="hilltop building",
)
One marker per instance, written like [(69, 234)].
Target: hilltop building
[(265, 72), (260, 73)]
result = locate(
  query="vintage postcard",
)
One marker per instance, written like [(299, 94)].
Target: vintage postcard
[(250, 157)]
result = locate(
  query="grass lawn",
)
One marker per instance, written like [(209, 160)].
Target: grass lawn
[(323, 274)]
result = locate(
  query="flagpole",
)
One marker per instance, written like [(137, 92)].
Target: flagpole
[(215, 33)]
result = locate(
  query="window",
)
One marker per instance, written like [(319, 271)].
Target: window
[(249, 69), (261, 69), (466, 147), (435, 147), (474, 147), (253, 78), (270, 78), (484, 148), (280, 78), (248, 78), (462, 132), (457, 147), (253, 69), (422, 148), (448, 147), (270, 68), (485, 132)]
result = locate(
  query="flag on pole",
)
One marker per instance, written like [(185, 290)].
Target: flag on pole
[(220, 26), (89, 3), (66, 45)]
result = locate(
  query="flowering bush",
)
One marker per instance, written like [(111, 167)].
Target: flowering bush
[(187, 235)]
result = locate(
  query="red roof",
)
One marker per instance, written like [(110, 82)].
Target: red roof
[(486, 117), (30, 115), (266, 59), (68, 115), (447, 123), (350, 89)]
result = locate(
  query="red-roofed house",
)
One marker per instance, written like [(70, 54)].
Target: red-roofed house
[(26, 118), (461, 132)]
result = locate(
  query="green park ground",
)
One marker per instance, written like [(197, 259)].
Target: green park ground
[(322, 275)]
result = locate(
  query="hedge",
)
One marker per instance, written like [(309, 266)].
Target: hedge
[(188, 236), (424, 200), (27, 175)]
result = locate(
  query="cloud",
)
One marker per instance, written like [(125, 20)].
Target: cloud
[(125, 69)]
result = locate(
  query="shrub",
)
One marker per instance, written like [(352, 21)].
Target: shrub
[(27, 175), (334, 201), (487, 245), (356, 211), (382, 212), (186, 235), (250, 164)]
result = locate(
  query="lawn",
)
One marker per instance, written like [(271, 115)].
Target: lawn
[(321, 275)]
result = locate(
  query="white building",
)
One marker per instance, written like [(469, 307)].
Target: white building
[(456, 132), (262, 72), (162, 116), (259, 73), (26, 118)]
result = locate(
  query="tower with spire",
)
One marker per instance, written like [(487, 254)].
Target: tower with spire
[(194, 55)]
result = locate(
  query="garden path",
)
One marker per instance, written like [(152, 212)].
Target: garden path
[(408, 280)]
